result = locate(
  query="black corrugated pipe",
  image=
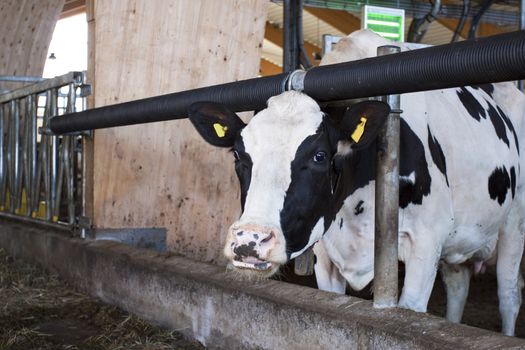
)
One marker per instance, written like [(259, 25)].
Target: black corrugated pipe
[(419, 26), (477, 18), (462, 19), (492, 59)]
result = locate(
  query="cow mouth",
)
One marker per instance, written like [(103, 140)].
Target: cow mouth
[(252, 264)]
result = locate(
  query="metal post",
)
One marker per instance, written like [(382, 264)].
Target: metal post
[(15, 188), (387, 204), (3, 160), (46, 162), (32, 197), (54, 202), (522, 27), (68, 158), (291, 60)]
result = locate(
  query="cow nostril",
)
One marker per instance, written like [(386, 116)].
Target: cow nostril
[(267, 239)]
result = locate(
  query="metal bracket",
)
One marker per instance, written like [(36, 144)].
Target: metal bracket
[(295, 80)]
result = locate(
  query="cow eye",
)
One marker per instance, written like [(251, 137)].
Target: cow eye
[(320, 157), (236, 155)]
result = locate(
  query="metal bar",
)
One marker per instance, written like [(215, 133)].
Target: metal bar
[(387, 204), (33, 221), (26, 155), (46, 158), (20, 79), (3, 159), (54, 171), (62, 80), (15, 188), (522, 27), (500, 57), (69, 151), (32, 194)]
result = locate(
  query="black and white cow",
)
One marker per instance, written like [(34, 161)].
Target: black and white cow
[(308, 176)]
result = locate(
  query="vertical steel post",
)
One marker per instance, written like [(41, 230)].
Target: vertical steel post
[(16, 180), (387, 204), (3, 160), (290, 52), (522, 27), (68, 158), (54, 200), (32, 197), (46, 162)]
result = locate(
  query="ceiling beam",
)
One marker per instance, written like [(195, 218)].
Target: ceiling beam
[(73, 7), (484, 29), (274, 34), (341, 20), (269, 68)]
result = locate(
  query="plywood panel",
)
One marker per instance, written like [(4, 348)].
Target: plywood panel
[(163, 174), (26, 28)]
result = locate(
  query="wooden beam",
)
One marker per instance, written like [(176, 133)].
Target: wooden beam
[(72, 8), (274, 34), (341, 20), (269, 68), (484, 29)]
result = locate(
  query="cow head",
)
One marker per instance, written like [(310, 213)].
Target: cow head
[(285, 159)]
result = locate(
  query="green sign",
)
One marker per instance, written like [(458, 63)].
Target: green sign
[(387, 22)]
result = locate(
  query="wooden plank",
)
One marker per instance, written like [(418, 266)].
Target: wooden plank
[(26, 28), (484, 29), (164, 174), (274, 34), (341, 20), (72, 8), (269, 68)]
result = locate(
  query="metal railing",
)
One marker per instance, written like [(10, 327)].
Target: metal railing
[(41, 173)]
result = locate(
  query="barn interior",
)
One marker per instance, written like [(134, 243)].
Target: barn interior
[(136, 215)]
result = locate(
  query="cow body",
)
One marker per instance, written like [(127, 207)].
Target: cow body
[(307, 176)]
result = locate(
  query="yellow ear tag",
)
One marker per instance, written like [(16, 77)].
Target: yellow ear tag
[(359, 130), (220, 130)]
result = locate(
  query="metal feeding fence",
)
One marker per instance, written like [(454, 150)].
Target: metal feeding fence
[(41, 174)]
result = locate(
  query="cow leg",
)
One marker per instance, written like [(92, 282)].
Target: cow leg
[(457, 280), (510, 250), (421, 261), (326, 273)]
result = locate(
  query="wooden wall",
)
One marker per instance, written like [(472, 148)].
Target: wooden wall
[(26, 28), (163, 174)]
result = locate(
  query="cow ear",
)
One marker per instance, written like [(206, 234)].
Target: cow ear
[(215, 123), (362, 122)]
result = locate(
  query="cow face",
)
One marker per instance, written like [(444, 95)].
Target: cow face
[(284, 159)]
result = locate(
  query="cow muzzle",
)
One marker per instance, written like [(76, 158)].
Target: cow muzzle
[(256, 248)]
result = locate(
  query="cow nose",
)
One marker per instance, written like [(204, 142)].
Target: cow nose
[(252, 246), (251, 243)]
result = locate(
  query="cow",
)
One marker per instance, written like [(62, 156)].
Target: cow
[(307, 175)]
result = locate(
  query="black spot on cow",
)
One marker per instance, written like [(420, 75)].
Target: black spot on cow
[(244, 251), (359, 169), (309, 180), (498, 123), (513, 181), (488, 88), (243, 168), (499, 184), (240, 233), (437, 154), (359, 208), (412, 160), (341, 224), (511, 128), (473, 107)]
